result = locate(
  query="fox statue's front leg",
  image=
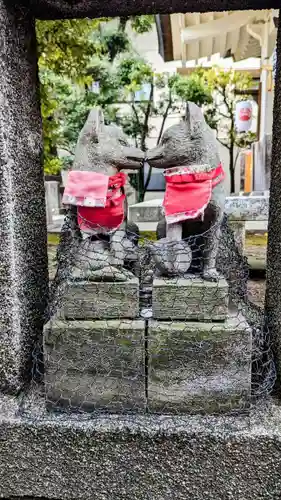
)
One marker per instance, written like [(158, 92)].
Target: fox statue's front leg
[(171, 254), (215, 211)]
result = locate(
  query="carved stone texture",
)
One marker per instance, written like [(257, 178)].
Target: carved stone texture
[(199, 367), (104, 148), (23, 252), (91, 300), (189, 299), (95, 365)]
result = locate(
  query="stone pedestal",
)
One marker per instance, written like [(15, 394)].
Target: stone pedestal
[(198, 367), (101, 300), (95, 365), (189, 299)]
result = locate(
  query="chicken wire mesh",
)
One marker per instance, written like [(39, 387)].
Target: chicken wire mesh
[(122, 336)]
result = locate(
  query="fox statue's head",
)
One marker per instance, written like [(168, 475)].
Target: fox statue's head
[(190, 142), (102, 148)]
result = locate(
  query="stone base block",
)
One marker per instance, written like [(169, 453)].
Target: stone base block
[(95, 365), (138, 457), (190, 299), (199, 367), (101, 300)]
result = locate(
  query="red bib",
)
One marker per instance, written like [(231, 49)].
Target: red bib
[(188, 194)]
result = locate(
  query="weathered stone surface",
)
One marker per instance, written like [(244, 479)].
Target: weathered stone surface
[(189, 299), (90, 300), (146, 211), (239, 232), (95, 365), (199, 367), (141, 457), (273, 289), (237, 207), (23, 251), (247, 208), (55, 9), (191, 143)]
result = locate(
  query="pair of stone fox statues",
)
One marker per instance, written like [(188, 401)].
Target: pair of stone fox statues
[(106, 247)]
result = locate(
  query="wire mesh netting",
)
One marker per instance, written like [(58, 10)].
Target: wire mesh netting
[(132, 326)]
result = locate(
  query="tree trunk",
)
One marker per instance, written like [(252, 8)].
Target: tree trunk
[(232, 168), (122, 23), (231, 154)]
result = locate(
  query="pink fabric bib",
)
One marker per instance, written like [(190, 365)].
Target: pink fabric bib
[(99, 199)]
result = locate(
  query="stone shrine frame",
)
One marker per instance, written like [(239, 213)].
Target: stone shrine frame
[(24, 283), (24, 290)]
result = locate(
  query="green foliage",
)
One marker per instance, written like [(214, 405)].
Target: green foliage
[(142, 24), (52, 165), (133, 72), (114, 43), (225, 86), (72, 55), (192, 89), (64, 49)]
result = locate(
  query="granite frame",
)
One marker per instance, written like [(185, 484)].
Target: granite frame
[(47, 457)]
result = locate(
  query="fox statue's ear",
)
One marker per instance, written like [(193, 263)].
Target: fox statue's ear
[(92, 127), (194, 119), (95, 122), (88, 135)]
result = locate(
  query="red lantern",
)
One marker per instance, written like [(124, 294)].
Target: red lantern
[(244, 115)]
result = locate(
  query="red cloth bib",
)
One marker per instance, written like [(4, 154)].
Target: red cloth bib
[(96, 212), (188, 194)]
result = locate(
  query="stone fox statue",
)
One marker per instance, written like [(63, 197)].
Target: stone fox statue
[(96, 232), (195, 193)]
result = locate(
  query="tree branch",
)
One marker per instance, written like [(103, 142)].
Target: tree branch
[(236, 158), (122, 23), (146, 117), (135, 113), (223, 143), (145, 131), (165, 117)]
